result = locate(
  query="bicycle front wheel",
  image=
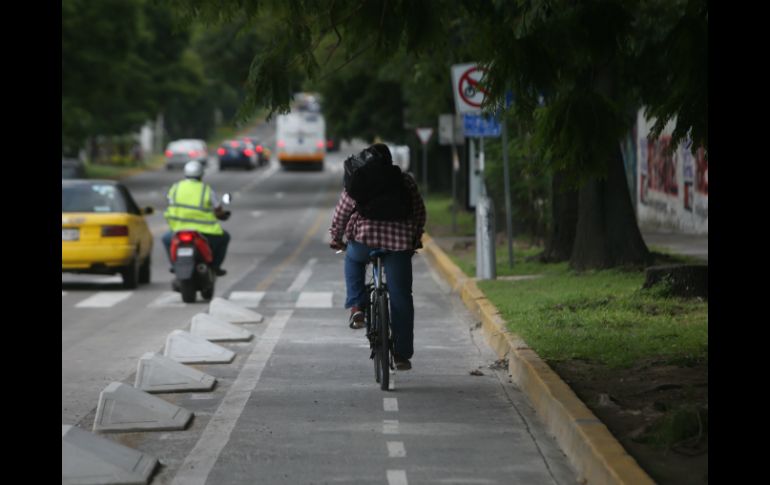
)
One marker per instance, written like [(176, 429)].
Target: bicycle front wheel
[(383, 354)]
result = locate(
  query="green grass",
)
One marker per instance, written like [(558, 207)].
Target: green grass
[(117, 172), (439, 221), (602, 316)]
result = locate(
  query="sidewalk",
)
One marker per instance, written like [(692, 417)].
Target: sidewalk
[(695, 245)]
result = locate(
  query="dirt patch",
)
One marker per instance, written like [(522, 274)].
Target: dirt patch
[(656, 410)]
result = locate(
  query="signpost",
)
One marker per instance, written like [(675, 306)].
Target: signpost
[(469, 96), (424, 135)]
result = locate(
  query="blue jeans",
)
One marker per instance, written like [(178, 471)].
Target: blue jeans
[(218, 245), (398, 271)]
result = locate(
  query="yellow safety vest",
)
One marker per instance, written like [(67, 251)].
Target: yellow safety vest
[(190, 208)]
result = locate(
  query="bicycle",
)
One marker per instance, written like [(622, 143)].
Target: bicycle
[(377, 319)]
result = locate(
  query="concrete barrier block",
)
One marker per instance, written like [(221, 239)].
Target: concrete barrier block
[(123, 408), (216, 329), (232, 312), (89, 459), (187, 348), (156, 373)]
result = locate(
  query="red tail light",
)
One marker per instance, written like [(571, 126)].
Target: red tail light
[(320, 144), (281, 143), (114, 231), (169, 153), (221, 151), (186, 236), (192, 153), (329, 144), (259, 149), (248, 152)]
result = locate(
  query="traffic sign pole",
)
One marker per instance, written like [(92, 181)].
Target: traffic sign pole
[(507, 185)]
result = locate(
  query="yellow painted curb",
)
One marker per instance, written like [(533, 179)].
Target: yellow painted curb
[(590, 447)]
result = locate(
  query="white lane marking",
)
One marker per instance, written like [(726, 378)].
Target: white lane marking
[(315, 299), (256, 214), (264, 175), (168, 299), (390, 404), (397, 477), (279, 195), (249, 299), (390, 426), (396, 449), (303, 276), (201, 460), (104, 299)]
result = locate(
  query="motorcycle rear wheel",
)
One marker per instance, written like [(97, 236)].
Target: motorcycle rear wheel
[(188, 290)]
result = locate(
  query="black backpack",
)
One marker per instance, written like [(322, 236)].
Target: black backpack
[(377, 186)]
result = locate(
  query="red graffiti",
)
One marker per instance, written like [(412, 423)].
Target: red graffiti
[(702, 172), (661, 166)]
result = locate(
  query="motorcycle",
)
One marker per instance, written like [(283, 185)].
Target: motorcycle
[(191, 261)]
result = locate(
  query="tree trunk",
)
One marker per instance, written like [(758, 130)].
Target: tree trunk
[(564, 211), (607, 232)]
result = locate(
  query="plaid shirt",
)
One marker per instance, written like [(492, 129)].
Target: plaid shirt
[(393, 235)]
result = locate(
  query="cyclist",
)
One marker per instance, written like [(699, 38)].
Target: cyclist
[(399, 237)]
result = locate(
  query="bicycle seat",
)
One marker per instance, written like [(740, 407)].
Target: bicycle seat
[(376, 253)]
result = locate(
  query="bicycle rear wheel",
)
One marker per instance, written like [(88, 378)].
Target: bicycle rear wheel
[(383, 354)]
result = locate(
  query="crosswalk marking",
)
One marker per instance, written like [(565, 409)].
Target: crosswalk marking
[(315, 299), (168, 299), (104, 299), (248, 299)]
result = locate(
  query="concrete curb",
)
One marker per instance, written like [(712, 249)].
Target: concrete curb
[(588, 444)]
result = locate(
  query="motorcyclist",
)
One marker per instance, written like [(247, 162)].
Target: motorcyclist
[(193, 205)]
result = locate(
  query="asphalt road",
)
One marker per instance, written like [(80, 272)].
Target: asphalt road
[(299, 403)]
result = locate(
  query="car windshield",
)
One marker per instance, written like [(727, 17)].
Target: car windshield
[(183, 146), (91, 198)]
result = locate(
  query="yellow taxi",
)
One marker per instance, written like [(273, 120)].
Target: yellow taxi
[(103, 231)]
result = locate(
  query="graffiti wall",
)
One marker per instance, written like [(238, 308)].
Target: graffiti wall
[(672, 184)]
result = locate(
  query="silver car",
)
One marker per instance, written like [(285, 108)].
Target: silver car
[(179, 152)]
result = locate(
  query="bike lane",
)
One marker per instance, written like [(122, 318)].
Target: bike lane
[(305, 408)]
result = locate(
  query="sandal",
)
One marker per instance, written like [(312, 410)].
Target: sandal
[(357, 320)]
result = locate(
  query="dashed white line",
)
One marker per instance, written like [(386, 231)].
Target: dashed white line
[(315, 299), (104, 299), (397, 477), (168, 299), (396, 449), (303, 276), (390, 404), (390, 426)]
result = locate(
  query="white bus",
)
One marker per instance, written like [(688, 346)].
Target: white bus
[(301, 139)]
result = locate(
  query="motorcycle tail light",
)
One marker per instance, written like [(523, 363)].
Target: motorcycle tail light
[(186, 237)]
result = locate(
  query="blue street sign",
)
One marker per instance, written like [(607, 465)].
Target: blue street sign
[(480, 126)]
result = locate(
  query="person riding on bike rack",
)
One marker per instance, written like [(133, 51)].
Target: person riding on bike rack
[(380, 207), (193, 205)]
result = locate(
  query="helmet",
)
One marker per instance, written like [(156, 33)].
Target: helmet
[(193, 169)]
